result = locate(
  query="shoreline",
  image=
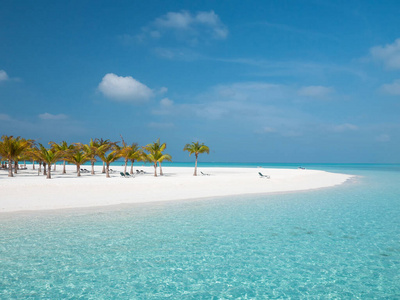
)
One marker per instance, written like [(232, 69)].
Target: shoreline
[(30, 192)]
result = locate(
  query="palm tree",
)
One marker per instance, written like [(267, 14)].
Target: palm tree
[(130, 152), (135, 153), (196, 148), (109, 158), (91, 151), (107, 146), (11, 148), (155, 155), (78, 157), (63, 146), (157, 147), (47, 156)]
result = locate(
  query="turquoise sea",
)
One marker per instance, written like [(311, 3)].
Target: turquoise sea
[(334, 243)]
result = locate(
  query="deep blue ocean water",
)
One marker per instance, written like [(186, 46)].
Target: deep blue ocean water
[(334, 243)]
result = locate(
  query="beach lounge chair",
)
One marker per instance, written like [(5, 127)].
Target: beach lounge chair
[(122, 174), (264, 176), (129, 175), (204, 174)]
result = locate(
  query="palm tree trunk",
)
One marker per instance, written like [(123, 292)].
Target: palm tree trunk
[(132, 167), (24, 163), (161, 173), (64, 171), (155, 169), (49, 172), (33, 164), (15, 166), (79, 170), (44, 169), (108, 171), (126, 164), (40, 167), (92, 162), (54, 166), (10, 172), (195, 167), (104, 168)]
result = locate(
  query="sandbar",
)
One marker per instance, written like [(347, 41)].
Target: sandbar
[(29, 191)]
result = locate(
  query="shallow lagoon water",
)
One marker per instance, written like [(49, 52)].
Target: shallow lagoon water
[(340, 242)]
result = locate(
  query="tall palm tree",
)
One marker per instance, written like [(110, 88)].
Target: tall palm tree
[(155, 155), (196, 148), (155, 147), (91, 150), (129, 152), (47, 156), (78, 157), (11, 148), (109, 158), (107, 146), (135, 154), (64, 147)]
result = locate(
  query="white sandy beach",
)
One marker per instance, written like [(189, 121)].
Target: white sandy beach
[(28, 191)]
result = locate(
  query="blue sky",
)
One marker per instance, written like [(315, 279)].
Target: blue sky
[(257, 81)]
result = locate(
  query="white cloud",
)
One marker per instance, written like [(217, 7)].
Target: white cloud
[(162, 90), (389, 54), (392, 88), (166, 102), (47, 116), (125, 89), (316, 91), (187, 26), (344, 127), (166, 107), (4, 117), (178, 20), (3, 75)]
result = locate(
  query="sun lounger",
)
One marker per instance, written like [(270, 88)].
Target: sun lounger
[(264, 176), (129, 175), (204, 174), (122, 174)]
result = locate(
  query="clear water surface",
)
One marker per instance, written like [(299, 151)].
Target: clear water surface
[(334, 243)]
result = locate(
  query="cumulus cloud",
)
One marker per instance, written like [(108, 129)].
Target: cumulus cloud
[(392, 88), (389, 54), (166, 107), (47, 116), (186, 25), (166, 102), (316, 91), (162, 90), (3, 75), (125, 89)]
